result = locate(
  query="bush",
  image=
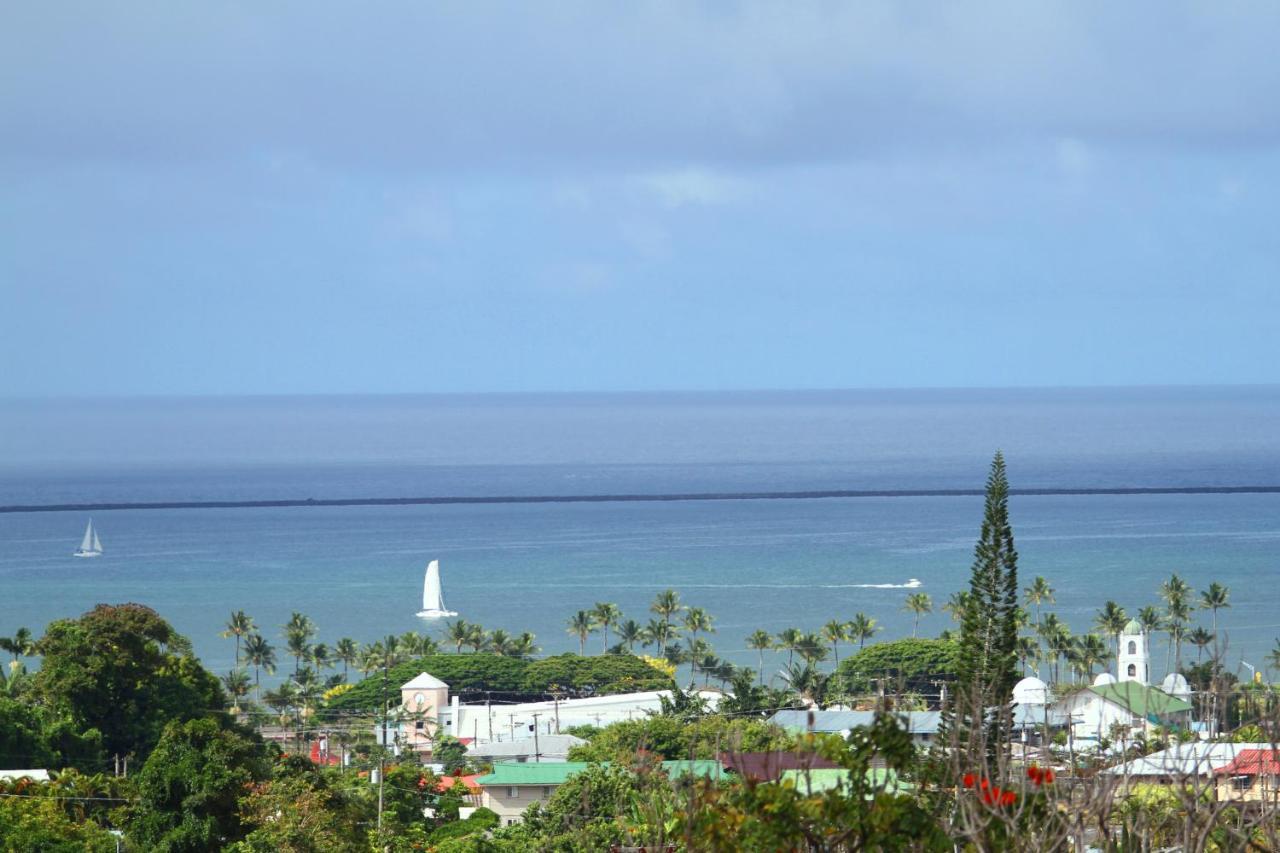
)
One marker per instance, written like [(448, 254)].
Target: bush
[(675, 740), (905, 665), (593, 676)]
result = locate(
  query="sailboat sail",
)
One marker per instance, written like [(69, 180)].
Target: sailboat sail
[(90, 546), (432, 595)]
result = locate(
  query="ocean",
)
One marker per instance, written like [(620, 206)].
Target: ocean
[(771, 564)]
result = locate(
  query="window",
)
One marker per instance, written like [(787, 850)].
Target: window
[(1241, 783), (1133, 648), (547, 791), (512, 821), (513, 792), (1133, 670)]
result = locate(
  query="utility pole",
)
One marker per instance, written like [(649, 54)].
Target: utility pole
[(511, 722), (556, 697), (537, 752), (488, 712), (382, 765)]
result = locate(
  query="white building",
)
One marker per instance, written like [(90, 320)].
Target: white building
[(427, 709), (1135, 658)]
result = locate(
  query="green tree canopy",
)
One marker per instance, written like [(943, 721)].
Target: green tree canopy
[(909, 665), (189, 787), (124, 671)]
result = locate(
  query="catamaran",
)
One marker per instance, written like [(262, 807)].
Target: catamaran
[(432, 596), (91, 546)]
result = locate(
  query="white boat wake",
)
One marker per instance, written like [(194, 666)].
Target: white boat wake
[(911, 584)]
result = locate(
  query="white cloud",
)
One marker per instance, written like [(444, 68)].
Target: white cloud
[(694, 186)]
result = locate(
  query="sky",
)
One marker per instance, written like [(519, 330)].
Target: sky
[(327, 197)]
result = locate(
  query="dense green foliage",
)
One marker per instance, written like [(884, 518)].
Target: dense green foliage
[(509, 677), (123, 671), (189, 788), (910, 665), (675, 739)]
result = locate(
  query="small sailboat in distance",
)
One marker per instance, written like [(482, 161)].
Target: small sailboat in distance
[(91, 546), (432, 596)]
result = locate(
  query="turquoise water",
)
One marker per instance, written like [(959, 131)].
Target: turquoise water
[(771, 564)]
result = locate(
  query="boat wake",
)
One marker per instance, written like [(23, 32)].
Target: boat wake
[(911, 584)]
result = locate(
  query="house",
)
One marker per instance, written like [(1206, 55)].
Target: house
[(1181, 763), (922, 725), (770, 766), (542, 748), (1253, 776), (511, 787), (428, 709), (1121, 711)]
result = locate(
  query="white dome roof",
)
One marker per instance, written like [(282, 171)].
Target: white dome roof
[(1175, 685), (1103, 678), (1032, 691)]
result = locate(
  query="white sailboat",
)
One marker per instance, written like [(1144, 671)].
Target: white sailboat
[(91, 546), (432, 596)]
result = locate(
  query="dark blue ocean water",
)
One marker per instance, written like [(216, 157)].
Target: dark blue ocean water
[(772, 564)]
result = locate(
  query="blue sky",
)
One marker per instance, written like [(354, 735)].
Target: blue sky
[(325, 197)]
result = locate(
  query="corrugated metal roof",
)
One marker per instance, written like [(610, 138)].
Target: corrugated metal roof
[(558, 772), (1186, 759)]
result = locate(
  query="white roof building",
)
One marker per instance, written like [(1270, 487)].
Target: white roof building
[(1183, 761)]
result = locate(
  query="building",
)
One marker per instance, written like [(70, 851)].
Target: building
[(428, 709), (545, 747), (1253, 776), (922, 725), (511, 787), (770, 766), (1135, 659), (1181, 763)]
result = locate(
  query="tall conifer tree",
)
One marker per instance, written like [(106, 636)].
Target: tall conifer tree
[(988, 663)]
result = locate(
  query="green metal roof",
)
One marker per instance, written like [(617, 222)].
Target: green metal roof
[(1141, 700), (1132, 627), (558, 772), (817, 780)]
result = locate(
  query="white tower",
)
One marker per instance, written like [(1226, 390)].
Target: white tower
[(1135, 660)]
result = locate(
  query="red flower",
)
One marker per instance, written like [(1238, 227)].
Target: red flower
[(1008, 799), (1048, 776), (985, 784), (1035, 774), (988, 799), (969, 780)]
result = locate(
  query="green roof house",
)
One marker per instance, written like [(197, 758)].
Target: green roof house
[(1122, 709), (514, 786)]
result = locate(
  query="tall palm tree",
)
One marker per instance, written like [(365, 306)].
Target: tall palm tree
[(630, 632), (862, 628), (918, 603), (1150, 619), (260, 653), (500, 642), (1028, 651), (1214, 599), (956, 605), (1273, 657), (696, 619), (834, 632), (581, 625), (812, 649), (606, 614), (477, 638), (457, 632), (1091, 650), (788, 638), (346, 650), (1201, 638), (236, 684), (297, 633), (524, 645), (239, 625), (1111, 620), (659, 634), (1177, 615), (760, 641), (20, 645), (666, 605), (319, 657), (1037, 593)]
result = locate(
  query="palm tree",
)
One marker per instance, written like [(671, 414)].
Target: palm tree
[(1091, 650), (659, 633), (760, 641), (1201, 638), (260, 653), (956, 605), (1214, 599), (236, 683), (500, 642), (807, 683), (239, 625), (788, 638), (834, 632), (1038, 592), (697, 619), (477, 639), (580, 625), (862, 628), (298, 632), (1150, 619), (318, 657), (666, 604), (524, 646), (918, 603), (1111, 620), (19, 645), (1273, 659), (1028, 651), (346, 650), (1178, 613), (630, 632), (457, 632), (606, 615), (812, 648)]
